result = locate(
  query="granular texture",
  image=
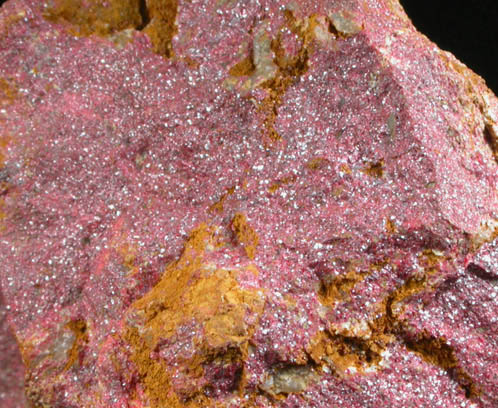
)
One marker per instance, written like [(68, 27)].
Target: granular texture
[(231, 203)]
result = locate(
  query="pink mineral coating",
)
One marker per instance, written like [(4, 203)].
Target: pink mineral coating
[(116, 145), (485, 261), (11, 366)]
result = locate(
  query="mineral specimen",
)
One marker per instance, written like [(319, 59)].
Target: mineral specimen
[(231, 203)]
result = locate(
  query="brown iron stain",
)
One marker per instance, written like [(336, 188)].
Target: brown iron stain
[(162, 27), (411, 287), (8, 92), (37, 398), (430, 260), (279, 183), (491, 139), (79, 329), (107, 18), (4, 142), (289, 70), (334, 289), (317, 163), (344, 349), (98, 17), (243, 68), (375, 169), (9, 21), (433, 350), (472, 100), (217, 207), (345, 168), (437, 352), (390, 227), (341, 352), (245, 234), (191, 290), (152, 374), (128, 255)]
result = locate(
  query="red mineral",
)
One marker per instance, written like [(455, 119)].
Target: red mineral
[(230, 203)]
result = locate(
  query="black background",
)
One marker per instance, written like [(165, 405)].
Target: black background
[(468, 29)]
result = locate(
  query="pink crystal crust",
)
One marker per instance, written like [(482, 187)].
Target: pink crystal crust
[(294, 205)]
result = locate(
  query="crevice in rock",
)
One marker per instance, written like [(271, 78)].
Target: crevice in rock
[(438, 353), (161, 26), (433, 350), (332, 29), (362, 347), (4, 181), (342, 24), (491, 139), (481, 273), (347, 352), (144, 14)]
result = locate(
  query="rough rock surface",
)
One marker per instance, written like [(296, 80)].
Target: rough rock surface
[(227, 203), (11, 366)]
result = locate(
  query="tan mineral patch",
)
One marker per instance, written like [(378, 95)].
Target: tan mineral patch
[(257, 67), (245, 234), (8, 91), (281, 182), (375, 170), (344, 24), (245, 67), (317, 163), (115, 19), (162, 25), (288, 380), (488, 231), (217, 207), (192, 290), (10, 21), (335, 289), (390, 226), (79, 329), (96, 16), (4, 142)]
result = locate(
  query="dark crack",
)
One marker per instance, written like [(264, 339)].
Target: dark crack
[(491, 139), (144, 14), (435, 351), (481, 273)]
